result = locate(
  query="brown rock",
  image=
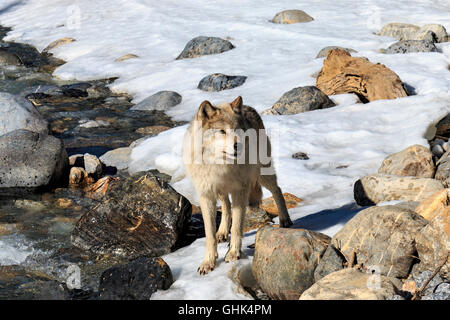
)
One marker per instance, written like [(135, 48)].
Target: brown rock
[(292, 16), (126, 57), (58, 43), (342, 73), (152, 130), (270, 206), (78, 176), (435, 205), (256, 218)]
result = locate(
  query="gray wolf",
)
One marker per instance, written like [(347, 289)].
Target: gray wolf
[(226, 152)]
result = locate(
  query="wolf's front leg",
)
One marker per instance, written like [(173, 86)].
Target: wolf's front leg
[(224, 227), (208, 207), (239, 203)]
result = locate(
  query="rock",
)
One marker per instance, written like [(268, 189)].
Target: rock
[(408, 46), (119, 158), (302, 99), (300, 156), (140, 215), (415, 161), (126, 57), (381, 187), (404, 31), (409, 205), (18, 113), (285, 260), (270, 206), (324, 52), (331, 261), (219, 82), (256, 218), (152, 130), (443, 127), (9, 59), (342, 73), (435, 205), (136, 280), (92, 165), (200, 46), (381, 239), (443, 170), (436, 289), (438, 30), (58, 43), (351, 284), (78, 176), (31, 160), (93, 124), (162, 100), (292, 16)]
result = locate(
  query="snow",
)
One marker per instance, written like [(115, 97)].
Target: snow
[(343, 143)]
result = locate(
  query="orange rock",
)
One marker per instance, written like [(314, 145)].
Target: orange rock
[(342, 73), (64, 202), (269, 205), (410, 286), (434, 205), (101, 186), (79, 176)]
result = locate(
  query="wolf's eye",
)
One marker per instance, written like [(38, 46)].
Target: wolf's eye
[(223, 132)]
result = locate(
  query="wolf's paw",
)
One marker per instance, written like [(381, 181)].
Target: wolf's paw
[(232, 255), (206, 266), (285, 223), (222, 237)]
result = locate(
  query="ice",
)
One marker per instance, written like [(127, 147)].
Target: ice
[(14, 249)]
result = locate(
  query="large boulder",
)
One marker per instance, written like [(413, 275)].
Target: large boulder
[(30, 161), (416, 161), (285, 260), (139, 216), (410, 46), (219, 82), (302, 99), (405, 31), (292, 16), (136, 280), (351, 284), (162, 100), (200, 46), (18, 113), (381, 187), (381, 239), (434, 205), (342, 73)]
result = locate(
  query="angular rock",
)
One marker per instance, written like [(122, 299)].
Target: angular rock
[(285, 260), (270, 206), (382, 239), (31, 160), (409, 46), (381, 187), (18, 113), (443, 170), (202, 45), (118, 158), (443, 127), (92, 165), (140, 216), (292, 16), (219, 82), (256, 218), (438, 30), (324, 52), (302, 99), (435, 205), (136, 280), (400, 31), (437, 288), (9, 59), (79, 177), (162, 100), (351, 284), (415, 161), (331, 261), (342, 73)]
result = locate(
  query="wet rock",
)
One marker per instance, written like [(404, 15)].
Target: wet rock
[(331, 261), (140, 215), (202, 45), (79, 177), (92, 165), (380, 187), (31, 160), (416, 161), (93, 123), (381, 239), (219, 82), (28, 55), (342, 73), (300, 156), (136, 280), (9, 59), (57, 43), (118, 158), (292, 16), (302, 99), (76, 90), (17, 113), (324, 52), (162, 100), (409, 46), (285, 260), (351, 284)]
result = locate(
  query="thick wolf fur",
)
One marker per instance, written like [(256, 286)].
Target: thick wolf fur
[(216, 181)]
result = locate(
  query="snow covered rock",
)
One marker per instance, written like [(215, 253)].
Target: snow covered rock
[(302, 99), (202, 45), (408, 46), (381, 239), (416, 161), (219, 82), (292, 16), (351, 284), (285, 260), (323, 53), (381, 187), (162, 100), (342, 73), (18, 113)]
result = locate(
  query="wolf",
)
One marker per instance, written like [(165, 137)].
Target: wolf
[(222, 156)]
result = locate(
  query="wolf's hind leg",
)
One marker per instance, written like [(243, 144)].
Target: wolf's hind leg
[(238, 205), (270, 182), (208, 207), (224, 227)]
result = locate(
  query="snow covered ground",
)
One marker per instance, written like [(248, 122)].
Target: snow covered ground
[(343, 143)]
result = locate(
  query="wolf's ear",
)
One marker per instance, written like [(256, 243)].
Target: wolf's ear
[(236, 105), (206, 110)]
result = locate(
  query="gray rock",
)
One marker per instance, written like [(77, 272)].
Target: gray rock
[(443, 171), (438, 30), (9, 59), (405, 31), (323, 53), (292, 16), (408, 46), (119, 158), (331, 261), (302, 99), (300, 156), (219, 82), (18, 113), (202, 45), (31, 160), (162, 100), (92, 165), (437, 289)]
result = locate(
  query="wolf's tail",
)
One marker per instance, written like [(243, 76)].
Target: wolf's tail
[(255, 195)]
